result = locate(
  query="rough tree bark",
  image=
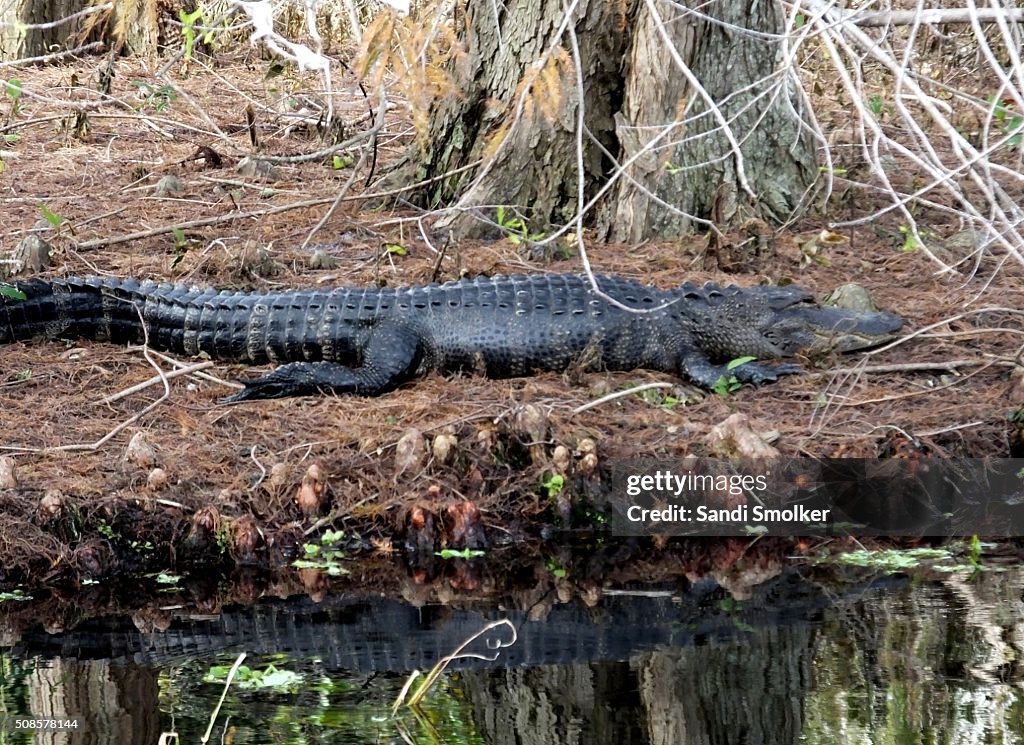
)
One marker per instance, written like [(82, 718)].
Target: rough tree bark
[(695, 170), (131, 26), (633, 89), (517, 111), (17, 37)]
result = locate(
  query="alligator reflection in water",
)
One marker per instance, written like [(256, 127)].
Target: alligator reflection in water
[(863, 662)]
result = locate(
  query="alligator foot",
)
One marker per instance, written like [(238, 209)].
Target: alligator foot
[(758, 373), (705, 373), (298, 379), (390, 357)]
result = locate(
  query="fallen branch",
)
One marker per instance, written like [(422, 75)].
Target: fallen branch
[(92, 446), (930, 15), (206, 221), (154, 380), (914, 366), (619, 394), (46, 59), (202, 375), (363, 156), (202, 222)]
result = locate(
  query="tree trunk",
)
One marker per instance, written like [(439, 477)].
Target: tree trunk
[(519, 105), (751, 691), (105, 698), (693, 168), (18, 39), (517, 112), (132, 25)]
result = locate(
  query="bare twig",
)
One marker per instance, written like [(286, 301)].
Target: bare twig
[(202, 222), (619, 394), (363, 157), (929, 16), (156, 379), (46, 59), (96, 445), (201, 375), (915, 367)]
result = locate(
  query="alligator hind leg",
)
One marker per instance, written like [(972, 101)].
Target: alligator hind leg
[(702, 371), (390, 357)]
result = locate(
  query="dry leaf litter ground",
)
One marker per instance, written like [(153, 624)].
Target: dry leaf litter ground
[(238, 470)]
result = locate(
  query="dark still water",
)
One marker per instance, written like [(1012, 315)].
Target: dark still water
[(883, 659)]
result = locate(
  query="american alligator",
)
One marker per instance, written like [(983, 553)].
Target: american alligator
[(368, 340)]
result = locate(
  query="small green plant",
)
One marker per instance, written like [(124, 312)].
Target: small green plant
[(556, 569), (972, 563), (1010, 123), (247, 678), (877, 106), (516, 228), (16, 595), (325, 555), (12, 293), (188, 30), (657, 397), (462, 553), (974, 552), (910, 242), (182, 244), (12, 88), (159, 98), (553, 484), (55, 219), (396, 249), (166, 578), (727, 384), (341, 162)]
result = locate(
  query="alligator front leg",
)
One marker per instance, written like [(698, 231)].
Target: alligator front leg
[(704, 372), (390, 357)]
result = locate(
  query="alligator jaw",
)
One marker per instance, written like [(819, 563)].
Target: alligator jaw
[(815, 331)]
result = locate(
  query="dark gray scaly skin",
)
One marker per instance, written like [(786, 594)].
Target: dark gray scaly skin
[(368, 341)]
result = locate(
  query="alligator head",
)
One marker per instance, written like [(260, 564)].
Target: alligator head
[(814, 330), (772, 322)]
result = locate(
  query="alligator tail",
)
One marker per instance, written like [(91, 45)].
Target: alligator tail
[(105, 310)]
